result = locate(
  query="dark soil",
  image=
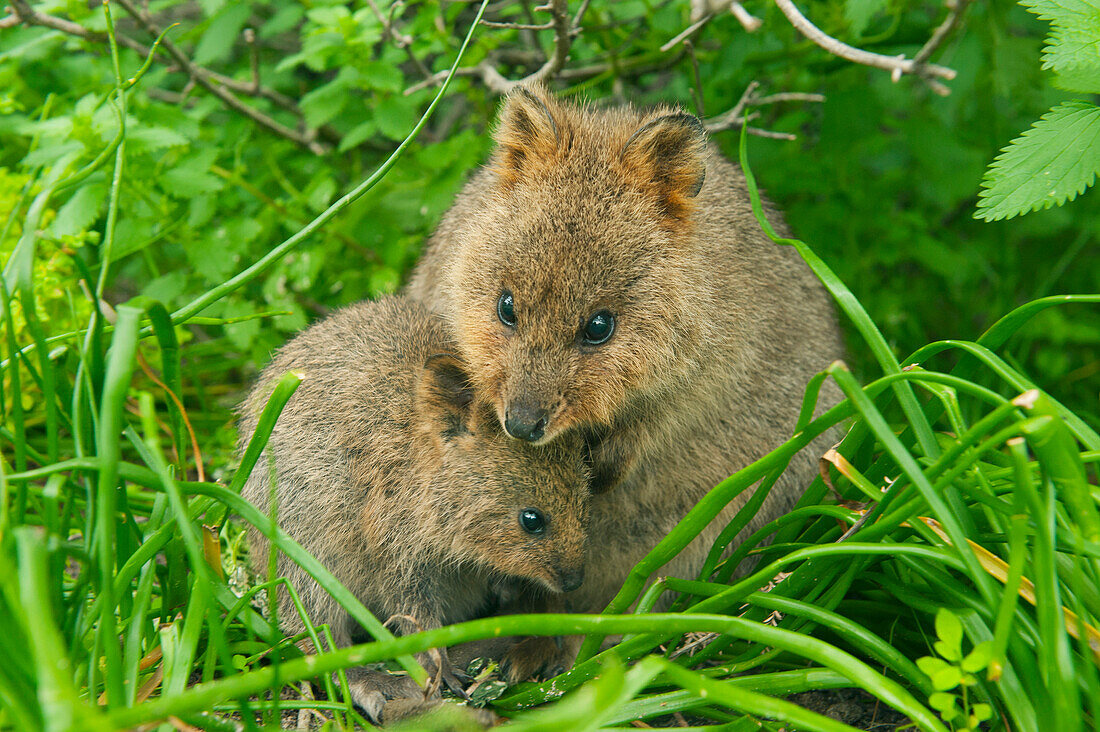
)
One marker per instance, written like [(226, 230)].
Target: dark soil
[(852, 706)]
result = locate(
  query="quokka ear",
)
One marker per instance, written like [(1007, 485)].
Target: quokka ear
[(528, 136), (444, 394), (668, 156)]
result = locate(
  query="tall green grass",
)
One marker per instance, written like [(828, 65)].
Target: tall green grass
[(959, 485)]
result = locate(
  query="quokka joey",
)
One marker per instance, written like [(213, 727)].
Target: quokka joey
[(604, 275), (387, 466)]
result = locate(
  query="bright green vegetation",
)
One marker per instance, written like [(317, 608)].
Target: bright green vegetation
[(967, 479)]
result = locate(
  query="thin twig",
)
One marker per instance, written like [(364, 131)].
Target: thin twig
[(687, 32), (896, 65), (306, 140), (495, 81), (517, 26), (697, 87), (748, 21), (580, 16), (563, 40), (24, 13), (956, 9), (736, 116), (253, 57)]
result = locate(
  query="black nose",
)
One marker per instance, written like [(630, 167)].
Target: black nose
[(571, 579), (524, 422)]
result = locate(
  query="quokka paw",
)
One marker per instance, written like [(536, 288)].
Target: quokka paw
[(541, 656)]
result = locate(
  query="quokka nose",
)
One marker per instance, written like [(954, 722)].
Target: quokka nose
[(571, 579), (524, 422)]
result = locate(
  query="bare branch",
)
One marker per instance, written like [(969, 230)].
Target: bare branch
[(306, 140), (488, 74), (697, 87), (687, 33), (748, 21), (563, 38), (737, 116), (24, 13), (253, 57), (896, 65), (516, 26), (580, 16), (956, 9)]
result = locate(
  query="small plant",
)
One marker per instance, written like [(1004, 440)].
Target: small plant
[(953, 674), (1059, 156)]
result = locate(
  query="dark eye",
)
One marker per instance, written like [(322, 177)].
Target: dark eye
[(532, 521), (506, 309), (599, 328)]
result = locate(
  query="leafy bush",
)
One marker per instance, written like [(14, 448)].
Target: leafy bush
[(129, 189)]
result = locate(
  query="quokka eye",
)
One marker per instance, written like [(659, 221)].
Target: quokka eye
[(506, 309), (532, 521), (599, 328)]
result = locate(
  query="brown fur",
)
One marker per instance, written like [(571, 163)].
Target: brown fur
[(717, 328), (391, 473)]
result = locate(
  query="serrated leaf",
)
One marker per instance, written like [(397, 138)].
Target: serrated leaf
[(379, 76), (1074, 40), (221, 35), (325, 102), (320, 195), (950, 632), (50, 154), (146, 139), (858, 13), (1052, 162), (357, 134), (1081, 80), (284, 19), (192, 177), (395, 116), (80, 211)]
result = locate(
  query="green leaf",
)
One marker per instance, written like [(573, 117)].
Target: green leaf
[(931, 665), (219, 38), (941, 701), (978, 658), (192, 177), (284, 19), (395, 116), (1052, 162), (325, 102), (1074, 35), (981, 712), (80, 211), (357, 134), (1081, 80), (858, 13), (949, 631), (147, 139), (381, 76)]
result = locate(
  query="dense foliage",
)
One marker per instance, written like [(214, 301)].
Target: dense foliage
[(164, 175)]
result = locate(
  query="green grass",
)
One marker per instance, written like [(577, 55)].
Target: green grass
[(962, 486)]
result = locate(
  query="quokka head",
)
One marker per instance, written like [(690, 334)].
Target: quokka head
[(575, 282), (519, 510)]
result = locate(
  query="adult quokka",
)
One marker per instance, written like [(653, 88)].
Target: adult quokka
[(604, 275), (389, 469)]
